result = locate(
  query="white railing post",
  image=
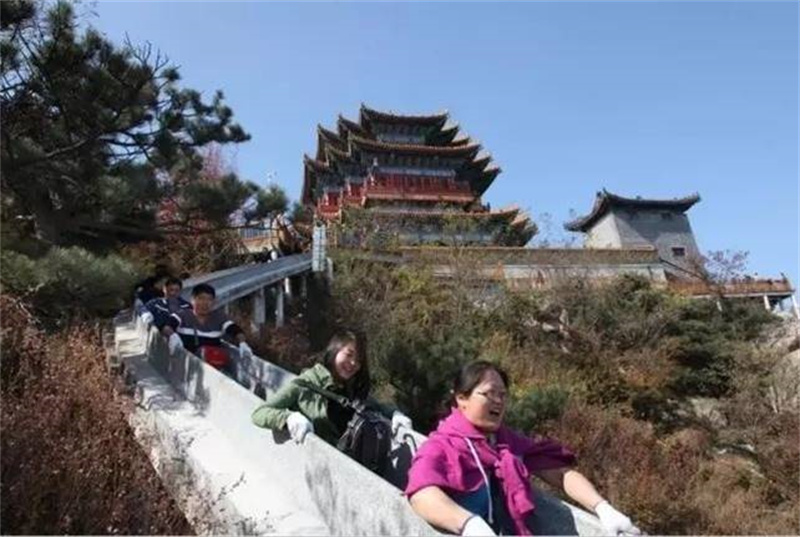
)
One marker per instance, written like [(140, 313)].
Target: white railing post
[(259, 308), (279, 305), (318, 247)]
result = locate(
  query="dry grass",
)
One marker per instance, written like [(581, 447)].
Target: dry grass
[(675, 484), (69, 464)]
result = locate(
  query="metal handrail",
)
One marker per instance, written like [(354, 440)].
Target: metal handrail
[(232, 284)]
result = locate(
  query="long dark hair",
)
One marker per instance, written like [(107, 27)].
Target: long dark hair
[(359, 386), (470, 375)]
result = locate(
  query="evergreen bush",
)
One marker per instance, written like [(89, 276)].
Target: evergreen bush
[(69, 282), (530, 410)]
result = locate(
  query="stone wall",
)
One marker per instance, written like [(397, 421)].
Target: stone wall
[(641, 228), (604, 234), (534, 256)]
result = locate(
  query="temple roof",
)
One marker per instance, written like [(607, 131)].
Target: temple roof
[(333, 155), (447, 135), (325, 138), (346, 130), (330, 136), (318, 165), (487, 178), (469, 150), (367, 116), (345, 127), (310, 169), (340, 151), (481, 173), (605, 201), (480, 162)]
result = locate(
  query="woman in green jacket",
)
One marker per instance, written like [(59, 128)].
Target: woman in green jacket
[(343, 369)]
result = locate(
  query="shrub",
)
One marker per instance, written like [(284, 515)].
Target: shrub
[(69, 282), (530, 410), (612, 365), (705, 341), (620, 344), (624, 313), (772, 433), (736, 499), (637, 472), (70, 464), (415, 346), (654, 406)]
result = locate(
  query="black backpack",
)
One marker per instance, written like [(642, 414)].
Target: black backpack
[(368, 435)]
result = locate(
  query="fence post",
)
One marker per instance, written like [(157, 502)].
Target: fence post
[(259, 308), (279, 305), (318, 247)]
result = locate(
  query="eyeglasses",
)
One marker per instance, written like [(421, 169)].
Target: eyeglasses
[(494, 395)]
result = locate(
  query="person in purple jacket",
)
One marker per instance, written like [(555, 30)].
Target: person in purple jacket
[(472, 476)]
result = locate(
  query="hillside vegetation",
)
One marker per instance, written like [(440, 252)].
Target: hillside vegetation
[(664, 398)]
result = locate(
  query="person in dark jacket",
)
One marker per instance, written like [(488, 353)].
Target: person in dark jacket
[(158, 310), (201, 329), (150, 287)]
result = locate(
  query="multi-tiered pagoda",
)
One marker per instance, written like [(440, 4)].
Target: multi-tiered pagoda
[(417, 177)]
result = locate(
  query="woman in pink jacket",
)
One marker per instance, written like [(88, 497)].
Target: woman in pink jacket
[(472, 476)]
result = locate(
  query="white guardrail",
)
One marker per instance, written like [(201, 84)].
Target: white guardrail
[(235, 283)]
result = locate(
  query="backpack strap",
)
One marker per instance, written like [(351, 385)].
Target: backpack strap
[(342, 400)]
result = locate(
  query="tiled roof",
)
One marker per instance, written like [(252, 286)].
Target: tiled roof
[(443, 139), (326, 138), (368, 115), (460, 142), (316, 164), (363, 143), (447, 135), (345, 126), (606, 200), (330, 136)]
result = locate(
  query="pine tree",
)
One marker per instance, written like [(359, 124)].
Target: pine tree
[(97, 136)]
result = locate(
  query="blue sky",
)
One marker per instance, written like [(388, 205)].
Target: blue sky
[(658, 99)]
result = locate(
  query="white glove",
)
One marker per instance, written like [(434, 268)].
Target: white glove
[(613, 521), (146, 318), (174, 343), (400, 420), (299, 426), (245, 350), (477, 527)]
